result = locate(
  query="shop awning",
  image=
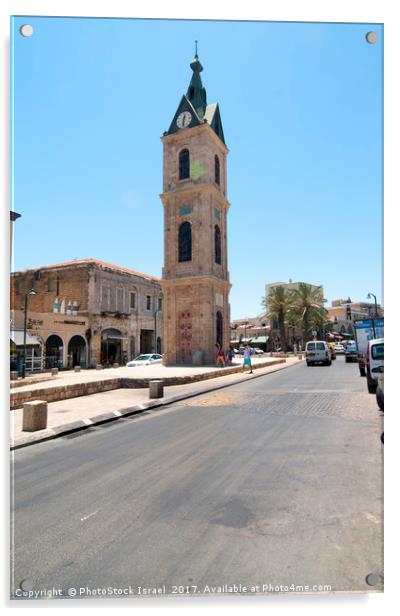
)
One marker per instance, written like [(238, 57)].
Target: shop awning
[(262, 339), (18, 338)]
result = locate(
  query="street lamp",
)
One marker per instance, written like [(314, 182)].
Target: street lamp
[(376, 306), (155, 330), (31, 292)]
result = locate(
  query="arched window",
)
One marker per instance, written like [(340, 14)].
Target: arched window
[(184, 164), (217, 169), (217, 244), (185, 242), (219, 328)]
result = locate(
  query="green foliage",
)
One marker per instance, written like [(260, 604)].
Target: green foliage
[(303, 307)]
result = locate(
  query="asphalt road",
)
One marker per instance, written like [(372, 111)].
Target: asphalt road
[(276, 481)]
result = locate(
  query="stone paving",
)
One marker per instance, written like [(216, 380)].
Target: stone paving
[(84, 411)]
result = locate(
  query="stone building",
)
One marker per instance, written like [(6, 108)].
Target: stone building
[(343, 312), (254, 331), (195, 278), (86, 312)]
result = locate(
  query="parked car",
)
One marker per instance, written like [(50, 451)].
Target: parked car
[(351, 352), (259, 351), (332, 350), (379, 392), (145, 360), (374, 361), (339, 348), (316, 352)]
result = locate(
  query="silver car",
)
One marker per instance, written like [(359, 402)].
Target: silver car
[(147, 359)]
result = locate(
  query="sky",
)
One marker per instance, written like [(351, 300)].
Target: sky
[(301, 107)]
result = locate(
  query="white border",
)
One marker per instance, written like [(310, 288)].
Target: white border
[(383, 11)]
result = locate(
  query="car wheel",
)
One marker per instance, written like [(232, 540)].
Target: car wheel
[(371, 387), (362, 371), (329, 363), (309, 363), (347, 360), (379, 399)]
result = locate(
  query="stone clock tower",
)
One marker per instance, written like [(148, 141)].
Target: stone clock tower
[(195, 278)]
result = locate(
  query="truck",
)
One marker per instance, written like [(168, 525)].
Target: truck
[(364, 331)]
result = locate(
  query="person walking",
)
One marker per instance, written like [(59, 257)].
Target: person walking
[(247, 358), (221, 359), (230, 356)]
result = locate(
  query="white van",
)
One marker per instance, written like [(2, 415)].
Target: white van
[(374, 360), (318, 352)]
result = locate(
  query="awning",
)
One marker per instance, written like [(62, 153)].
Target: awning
[(18, 338), (262, 339)]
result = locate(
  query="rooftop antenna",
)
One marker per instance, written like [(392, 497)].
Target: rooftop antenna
[(195, 50)]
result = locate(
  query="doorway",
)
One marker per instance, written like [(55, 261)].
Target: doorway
[(54, 352), (77, 351)]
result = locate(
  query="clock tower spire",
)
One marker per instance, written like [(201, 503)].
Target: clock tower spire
[(195, 277)]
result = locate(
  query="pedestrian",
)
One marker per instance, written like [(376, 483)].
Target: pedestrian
[(247, 358), (294, 348), (221, 358), (230, 356), (217, 352)]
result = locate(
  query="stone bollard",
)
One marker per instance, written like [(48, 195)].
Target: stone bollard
[(115, 365), (34, 416), (156, 389), (77, 369), (99, 366), (14, 375), (54, 371)]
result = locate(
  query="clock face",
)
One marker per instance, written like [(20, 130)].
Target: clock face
[(183, 120)]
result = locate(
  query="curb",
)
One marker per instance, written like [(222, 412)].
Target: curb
[(88, 422)]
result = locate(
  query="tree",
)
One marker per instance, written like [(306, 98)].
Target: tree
[(308, 310), (279, 305)]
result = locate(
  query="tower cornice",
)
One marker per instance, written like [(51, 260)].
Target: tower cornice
[(187, 191), (188, 133)]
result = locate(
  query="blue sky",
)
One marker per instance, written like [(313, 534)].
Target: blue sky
[(301, 107)]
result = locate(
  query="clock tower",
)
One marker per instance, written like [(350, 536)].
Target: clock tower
[(195, 278)]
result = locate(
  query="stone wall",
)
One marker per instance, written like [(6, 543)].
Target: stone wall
[(54, 394)]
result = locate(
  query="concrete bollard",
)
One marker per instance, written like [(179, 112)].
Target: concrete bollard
[(54, 371), (99, 366), (77, 369), (115, 365), (156, 389), (14, 375), (300, 356), (34, 416)]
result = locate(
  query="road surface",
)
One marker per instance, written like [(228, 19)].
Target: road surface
[(276, 482)]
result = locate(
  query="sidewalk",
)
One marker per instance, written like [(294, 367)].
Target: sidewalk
[(84, 411)]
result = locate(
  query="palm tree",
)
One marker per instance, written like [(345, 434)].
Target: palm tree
[(279, 305), (308, 310)]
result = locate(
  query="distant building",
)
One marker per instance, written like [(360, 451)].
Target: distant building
[(86, 312), (254, 331), (343, 312), (289, 285)]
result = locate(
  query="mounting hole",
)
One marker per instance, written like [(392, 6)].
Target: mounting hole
[(371, 38), (26, 30), (26, 585), (372, 579)]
